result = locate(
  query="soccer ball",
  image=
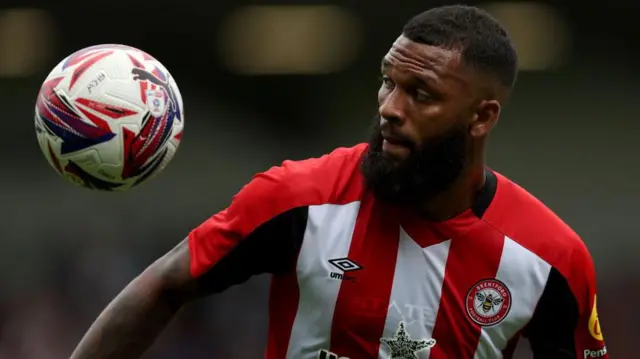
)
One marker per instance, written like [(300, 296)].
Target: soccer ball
[(109, 117)]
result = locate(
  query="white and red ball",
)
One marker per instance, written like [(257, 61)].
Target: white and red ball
[(109, 117)]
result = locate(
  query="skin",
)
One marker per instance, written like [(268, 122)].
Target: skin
[(426, 90)]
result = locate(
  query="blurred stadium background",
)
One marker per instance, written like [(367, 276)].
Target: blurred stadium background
[(263, 84)]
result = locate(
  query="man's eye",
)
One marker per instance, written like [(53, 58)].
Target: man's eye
[(386, 81), (422, 96)]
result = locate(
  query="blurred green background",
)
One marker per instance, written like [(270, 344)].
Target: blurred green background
[(290, 80)]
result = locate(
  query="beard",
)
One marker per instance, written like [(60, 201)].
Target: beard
[(426, 172)]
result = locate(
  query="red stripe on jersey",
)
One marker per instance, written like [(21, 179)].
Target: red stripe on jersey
[(362, 304), (283, 306), (456, 334), (419, 230)]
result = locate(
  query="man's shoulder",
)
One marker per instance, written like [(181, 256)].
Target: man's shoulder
[(526, 220), (331, 178), (342, 158)]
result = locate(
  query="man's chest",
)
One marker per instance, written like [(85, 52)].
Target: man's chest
[(371, 288)]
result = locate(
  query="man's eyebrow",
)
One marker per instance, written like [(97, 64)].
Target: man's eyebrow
[(426, 81), (385, 64)]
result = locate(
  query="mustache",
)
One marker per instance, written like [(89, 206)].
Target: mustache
[(384, 130)]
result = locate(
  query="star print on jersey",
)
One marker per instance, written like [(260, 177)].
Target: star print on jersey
[(402, 347)]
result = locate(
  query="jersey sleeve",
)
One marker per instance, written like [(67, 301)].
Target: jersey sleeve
[(260, 232), (565, 324)]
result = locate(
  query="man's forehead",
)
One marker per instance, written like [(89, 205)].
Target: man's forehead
[(406, 50), (431, 63)]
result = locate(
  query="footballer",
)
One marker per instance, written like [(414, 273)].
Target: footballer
[(404, 247)]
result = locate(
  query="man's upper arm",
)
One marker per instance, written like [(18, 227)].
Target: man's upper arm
[(260, 232), (565, 324)]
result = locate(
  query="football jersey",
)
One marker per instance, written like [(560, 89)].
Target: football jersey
[(353, 277)]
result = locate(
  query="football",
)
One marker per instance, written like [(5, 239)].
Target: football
[(109, 117)]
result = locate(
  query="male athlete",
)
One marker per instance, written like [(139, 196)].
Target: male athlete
[(406, 247)]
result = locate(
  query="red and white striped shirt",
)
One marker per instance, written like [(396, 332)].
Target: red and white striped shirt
[(356, 278)]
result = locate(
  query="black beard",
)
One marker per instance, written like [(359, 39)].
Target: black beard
[(425, 173)]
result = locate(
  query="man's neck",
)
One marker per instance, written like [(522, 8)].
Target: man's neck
[(460, 197)]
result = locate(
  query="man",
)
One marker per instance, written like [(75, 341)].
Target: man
[(408, 247)]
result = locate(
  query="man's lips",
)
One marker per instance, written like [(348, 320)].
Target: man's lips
[(395, 146), (395, 139)]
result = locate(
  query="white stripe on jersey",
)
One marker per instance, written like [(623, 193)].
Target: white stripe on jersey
[(417, 286), (327, 236), (525, 274)]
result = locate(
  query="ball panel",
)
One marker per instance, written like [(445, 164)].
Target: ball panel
[(109, 117)]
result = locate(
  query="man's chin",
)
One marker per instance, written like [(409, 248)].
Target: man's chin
[(392, 162)]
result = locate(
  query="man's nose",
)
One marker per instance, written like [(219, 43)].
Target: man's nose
[(392, 108)]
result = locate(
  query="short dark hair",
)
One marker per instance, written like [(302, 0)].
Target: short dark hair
[(483, 42)]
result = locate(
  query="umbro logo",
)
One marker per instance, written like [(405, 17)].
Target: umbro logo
[(325, 354), (345, 265)]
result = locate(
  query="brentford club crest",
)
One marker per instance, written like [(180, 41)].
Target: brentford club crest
[(488, 302)]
